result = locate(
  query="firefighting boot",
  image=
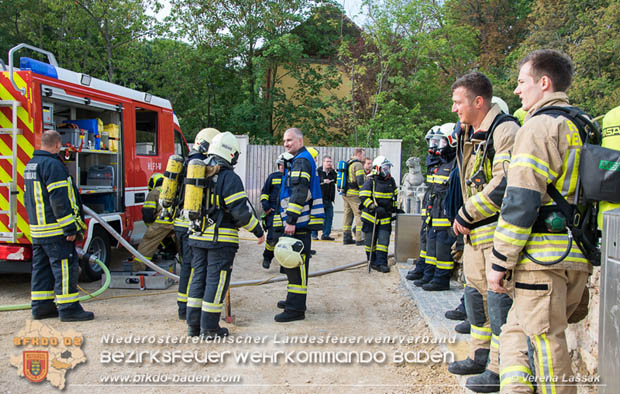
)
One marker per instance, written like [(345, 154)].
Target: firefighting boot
[(433, 286), (266, 264), (75, 313), (212, 333), (456, 313), (193, 331), (44, 311), (486, 382), (469, 366), (463, 327), (413, 275), (288, 316), (419, 282), (281, 304), (347, 238)]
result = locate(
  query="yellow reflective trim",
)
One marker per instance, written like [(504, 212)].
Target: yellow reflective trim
[(250, 226), (360, 172), (220, 286), (56, 185), (264, 197), (39, 203), (483, 205), (276, 181), (194, 302), (234, 197)]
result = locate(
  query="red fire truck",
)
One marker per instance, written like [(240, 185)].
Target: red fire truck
[(114, 139)]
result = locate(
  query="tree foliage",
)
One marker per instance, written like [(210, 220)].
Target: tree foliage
[(229, 63)]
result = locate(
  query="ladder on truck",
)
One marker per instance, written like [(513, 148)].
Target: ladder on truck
[(13, 131)]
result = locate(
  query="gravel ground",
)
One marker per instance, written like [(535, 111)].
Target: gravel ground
[(346, 304)]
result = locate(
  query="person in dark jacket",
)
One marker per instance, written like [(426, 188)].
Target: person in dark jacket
[(301, 209), (270, 200), (216, 240), (56, 220), (378, 202), (181, 224), (327, 177)]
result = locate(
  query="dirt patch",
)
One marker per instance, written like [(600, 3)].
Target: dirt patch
[(346, 306)]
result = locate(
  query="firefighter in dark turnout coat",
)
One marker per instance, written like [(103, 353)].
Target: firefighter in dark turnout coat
[(56, 221)]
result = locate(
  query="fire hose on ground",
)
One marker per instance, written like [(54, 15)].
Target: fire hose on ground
[(155, 267)]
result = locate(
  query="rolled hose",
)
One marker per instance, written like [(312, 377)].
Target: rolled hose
[(82, 255)]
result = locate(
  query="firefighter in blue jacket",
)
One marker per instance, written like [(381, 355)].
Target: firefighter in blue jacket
[(378, 202), (216, 239), (301, 208), (56, 221), (270, 200)]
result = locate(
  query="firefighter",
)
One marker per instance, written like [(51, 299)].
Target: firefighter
[(546, 152), (379, 201), (432, 161), (439, 241), (301, 208), (56, 221), (484, 153), (181, 224), (158, 228), (355, 180), (216, 240), (270, 200)]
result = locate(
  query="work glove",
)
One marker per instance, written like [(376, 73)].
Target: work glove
[(381, 212)]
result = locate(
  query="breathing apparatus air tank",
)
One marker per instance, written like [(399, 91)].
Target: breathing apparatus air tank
[(611, 140), (194, 189), (171, 181)]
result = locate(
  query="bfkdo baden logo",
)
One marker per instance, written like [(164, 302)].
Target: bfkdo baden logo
[(35, 365), (47, 354)]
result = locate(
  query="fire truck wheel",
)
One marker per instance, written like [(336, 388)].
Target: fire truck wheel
[(100, 248)]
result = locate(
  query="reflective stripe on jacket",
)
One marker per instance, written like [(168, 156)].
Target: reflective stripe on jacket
[(301, 200), (546, 150), (52, 199)]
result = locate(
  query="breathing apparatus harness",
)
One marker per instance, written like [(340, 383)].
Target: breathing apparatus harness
[(578, 219)]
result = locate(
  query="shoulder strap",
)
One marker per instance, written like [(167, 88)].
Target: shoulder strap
[(589, 131)]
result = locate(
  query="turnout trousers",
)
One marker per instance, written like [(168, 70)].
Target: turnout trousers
[(420, 264), (377, 249), (439, 263), (155, 233), (185, 276), (297, 289), (543, 302), (273, 235), (486, 310), (352, 212), (207, 289), (54, 274)]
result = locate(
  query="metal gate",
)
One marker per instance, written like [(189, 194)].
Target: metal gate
[(261, 161)]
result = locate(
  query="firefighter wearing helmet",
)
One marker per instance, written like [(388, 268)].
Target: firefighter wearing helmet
[(439, 262), (181, 224), (215, 240), (432, 161), (378, 197), (270, 200), (158, 228)]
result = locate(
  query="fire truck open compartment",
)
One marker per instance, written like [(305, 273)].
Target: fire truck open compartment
[(97, 172)]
